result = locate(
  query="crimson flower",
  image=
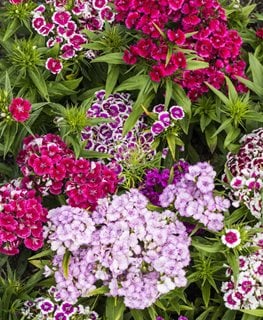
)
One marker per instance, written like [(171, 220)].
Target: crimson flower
[(20, 109)]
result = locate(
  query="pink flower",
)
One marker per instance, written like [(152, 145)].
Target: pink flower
[(259, 33), (231, 238), (61, 17), (177, 36), (16, 1), (129, 57), (54, 65), (20, 109), (175, 4), (77, 40), (38, 22), (99, 4), (42, 165)]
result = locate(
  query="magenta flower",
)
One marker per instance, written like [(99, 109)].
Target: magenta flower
[(61, 18), (20, 109), (177, 112), (54, 65), (157, 128)]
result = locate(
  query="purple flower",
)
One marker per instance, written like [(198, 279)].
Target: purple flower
[(158, 108), (157, 128), (177, 112), (182, 318), (68, 308), (164, 117), (46, 306), (60, 316)]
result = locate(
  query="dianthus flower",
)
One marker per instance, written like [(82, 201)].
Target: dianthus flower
[(163, 25), (231, 238), (156, 180), (193, 197), (247, 292), (259, 33), (63, 26), (166, 119), (45, 162), (20, 109), (52, 307), (21, 219), (245, 167), (50, 167), (108, 137), (137, 253)]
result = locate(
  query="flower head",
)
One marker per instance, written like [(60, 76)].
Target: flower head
[(20, 109), (231, 238)]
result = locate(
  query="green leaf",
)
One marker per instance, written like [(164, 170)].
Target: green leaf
[(234, 264), (11, 29), (6, 169), (112, 78), (232, 93), (98, 291), (220, 95), (114, 309), (196, 65), (39, 82), (144, 99), (252, 86), (44, 253), (229, 315), (206, 290), (171, 143), (89, 154), (137, 314), (65, 263), (181, 98), (232, 135), (256, 69), (111, 58), (257, 312), (133, 83), (204, 122), (168, 91), (224, 125), (216, 247), (8, 87), (9, 136), (211, 140)]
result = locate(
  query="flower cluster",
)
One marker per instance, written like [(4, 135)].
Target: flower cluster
[(166, 119), (20, 109), (245, 168), (63, 26), (49, 166), (108, 137), (53, 308), (43, 161), (247, 292), (138, 254), (156, 180), (193, 196), (166, 24), (21, 219)]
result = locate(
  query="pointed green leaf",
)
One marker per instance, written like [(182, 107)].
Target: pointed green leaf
[(257, 313), (112, 78), (231, 136), (65, 263), (171, 143), (252, 86), (196, 65), (111, 58), (256, 69), (133, 83), (224, 125), (206, 290), (220, 95), (114, 309), (168, 92), (11, 29), (39, 81), (181, 98), (232, 93)]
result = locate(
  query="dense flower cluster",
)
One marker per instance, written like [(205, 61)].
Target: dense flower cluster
[(139, 254), (167, 24), (247, 292), (20, 109), (108, 137), (43, 161), (156, 180), (53, 308), (21, 219), (49, 166), (246, 170), (193, 197), (166, 119), (63, 26)]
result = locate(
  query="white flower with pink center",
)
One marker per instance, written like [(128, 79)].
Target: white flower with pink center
[(231, 238), (68, 52), (38, 22), (77, 40)]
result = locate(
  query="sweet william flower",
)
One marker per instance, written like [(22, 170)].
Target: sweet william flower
[(20, 109), (54, 65), (231, 238), (177, 112)]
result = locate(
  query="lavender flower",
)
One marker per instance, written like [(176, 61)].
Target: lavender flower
[(139, 254)]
